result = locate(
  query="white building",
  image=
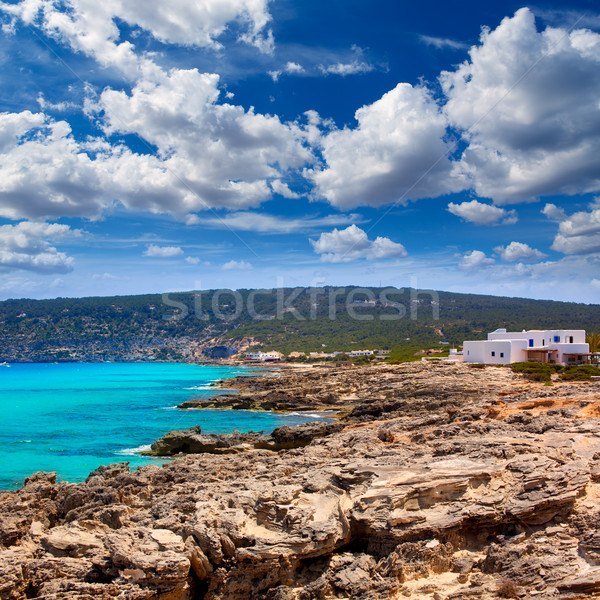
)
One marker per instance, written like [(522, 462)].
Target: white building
[(271, 356), (559, 346)]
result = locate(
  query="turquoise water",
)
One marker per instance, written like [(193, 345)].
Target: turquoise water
[(72, 418)]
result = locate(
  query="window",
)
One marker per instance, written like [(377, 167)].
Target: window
[(531, 343), (557, 338), (579, 358), (543, 342), (570, 339), (501, 354), (468, 352), (493, 354)]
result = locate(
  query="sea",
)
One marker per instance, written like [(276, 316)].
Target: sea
[(73, 417)]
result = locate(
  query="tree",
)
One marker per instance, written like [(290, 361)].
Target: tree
[(593, 339)]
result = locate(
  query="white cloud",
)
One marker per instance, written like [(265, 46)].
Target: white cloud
[(264, 223), (475, 260), (290, 68), (209, 154), (579, 233), (47, 174), (109, 277), (527, 103), (221, 154), (553, 212), (483, 214), (58, 106), (441, 43), (15, 125), (343, 69), (281, 188), (595, 283), (357, 64), (26, 245), (155, 251), (293, 67), (192, 260), (90, 27), (517, 251), (237, 265), (352, 243), (395, 154)]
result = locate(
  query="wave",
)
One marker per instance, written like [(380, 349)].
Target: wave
[(312, 415), (201, 387), (130, 451)]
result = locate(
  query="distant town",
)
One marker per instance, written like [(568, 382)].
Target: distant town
[(552, 346), (274, 356)]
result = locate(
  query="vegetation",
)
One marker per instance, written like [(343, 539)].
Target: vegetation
[(328, 319), (536, 371), (593, 339)]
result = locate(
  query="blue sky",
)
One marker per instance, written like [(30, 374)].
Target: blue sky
[(150, 146)]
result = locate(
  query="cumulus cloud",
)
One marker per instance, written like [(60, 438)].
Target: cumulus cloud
[(527, 103), (596, 283), (209, 154), (352, 243), (237, 265), (553, 212), (192, 260), (517, 251), (476, 259), (27, 246), (222, 155), (290, 68), (395, 154), (483, 214), (155, 251), (47, 174), (283, 189), (579, 233), (293, 67), (91, 27)]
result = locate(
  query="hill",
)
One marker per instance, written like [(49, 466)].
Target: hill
[(188, 325)]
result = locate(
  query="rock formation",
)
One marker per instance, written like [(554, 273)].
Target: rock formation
[(438, 481)]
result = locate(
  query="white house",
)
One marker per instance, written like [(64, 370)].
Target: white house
[(271, 356), (560, 346)]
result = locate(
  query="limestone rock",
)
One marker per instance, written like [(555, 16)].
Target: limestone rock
[(435, 481)]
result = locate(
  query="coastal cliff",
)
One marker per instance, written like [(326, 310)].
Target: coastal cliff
[(436, 481)]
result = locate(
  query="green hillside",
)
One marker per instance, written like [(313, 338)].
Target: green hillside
[(173, 326)]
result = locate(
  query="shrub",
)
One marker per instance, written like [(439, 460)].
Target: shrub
[(579, 373), (536, 371)]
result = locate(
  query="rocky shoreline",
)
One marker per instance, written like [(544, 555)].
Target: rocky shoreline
[(436, 481)]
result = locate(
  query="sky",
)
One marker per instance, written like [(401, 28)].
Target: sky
[(201, 144)]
